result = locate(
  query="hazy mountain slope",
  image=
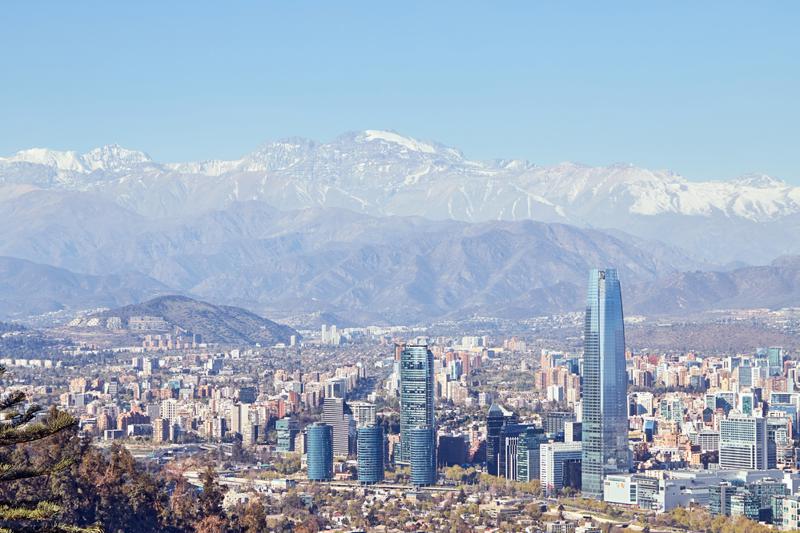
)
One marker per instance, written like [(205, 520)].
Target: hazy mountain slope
[(383, 173), (398, 268), (774, 286), (215, 323), (28, 288)]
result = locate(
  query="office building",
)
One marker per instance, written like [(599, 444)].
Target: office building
[(743, 443), (337, 414), (556, 465), (605, 382), (775, 361), (528, 457), (422, 448), (573, 431), (416, 398), (554, 422), (287, 430), (371, 450), (496, 419), (319, 441)]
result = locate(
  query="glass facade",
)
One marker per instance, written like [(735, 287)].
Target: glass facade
[(528, 454), (422, 447), (416, 396), (605, 383), (496, 419), (370, 454), (287, 430), (320, 452)]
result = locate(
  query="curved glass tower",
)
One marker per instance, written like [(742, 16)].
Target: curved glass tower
[(370, 454), (416, 395), (605, 385), (422, 444), (319, 439)]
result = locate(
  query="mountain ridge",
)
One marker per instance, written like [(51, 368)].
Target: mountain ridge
[(383, 173), (215, 323)]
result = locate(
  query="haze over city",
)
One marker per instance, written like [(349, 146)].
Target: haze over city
[(354, 267)]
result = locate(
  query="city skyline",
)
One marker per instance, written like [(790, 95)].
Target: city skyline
[(379, 268)]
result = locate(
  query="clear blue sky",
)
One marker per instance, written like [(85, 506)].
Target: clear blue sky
[(708, 89)]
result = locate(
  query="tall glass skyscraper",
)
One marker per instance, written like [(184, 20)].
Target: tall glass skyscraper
[(370, 454), (320, 452), (416, 397), (605, 385), (496, 419)]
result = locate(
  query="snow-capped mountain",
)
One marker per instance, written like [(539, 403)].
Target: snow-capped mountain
[(384, 173)]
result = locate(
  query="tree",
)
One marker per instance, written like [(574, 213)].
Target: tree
[(182, 506), (211, 524), (212, 495), (26, 503), (254, 518)]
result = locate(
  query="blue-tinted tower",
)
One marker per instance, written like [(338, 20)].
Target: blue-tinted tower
[(370, 454), (422, 443), (320, 452), (605, 384), (416, 396)]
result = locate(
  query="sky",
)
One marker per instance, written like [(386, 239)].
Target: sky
[(707, 89)]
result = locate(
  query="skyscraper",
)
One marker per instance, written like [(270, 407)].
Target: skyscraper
[(370, 454), (605, 383), (320, 452), (416, 397), (422, 447), (496, 419), (743, 443), (337, 414), (528, 454)]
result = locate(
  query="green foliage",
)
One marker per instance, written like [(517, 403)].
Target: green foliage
[(26, 459)]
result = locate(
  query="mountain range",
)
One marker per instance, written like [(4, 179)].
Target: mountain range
[(383, 173), (378, 226)]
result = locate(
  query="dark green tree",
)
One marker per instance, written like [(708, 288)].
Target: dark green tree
[(27, 462)]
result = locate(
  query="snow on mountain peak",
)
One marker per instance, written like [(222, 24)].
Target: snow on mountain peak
[(62, 160), (109, 157), (759, 181), (395, 138), (113, 157)]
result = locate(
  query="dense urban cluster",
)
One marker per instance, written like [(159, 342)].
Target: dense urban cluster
[(402, 429)]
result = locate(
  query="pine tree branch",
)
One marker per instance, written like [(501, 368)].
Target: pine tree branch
[(9, 472), (14, 398), (10, 435)]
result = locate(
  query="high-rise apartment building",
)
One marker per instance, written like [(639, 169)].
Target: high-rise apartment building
[(364, 413), (605, 383)]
